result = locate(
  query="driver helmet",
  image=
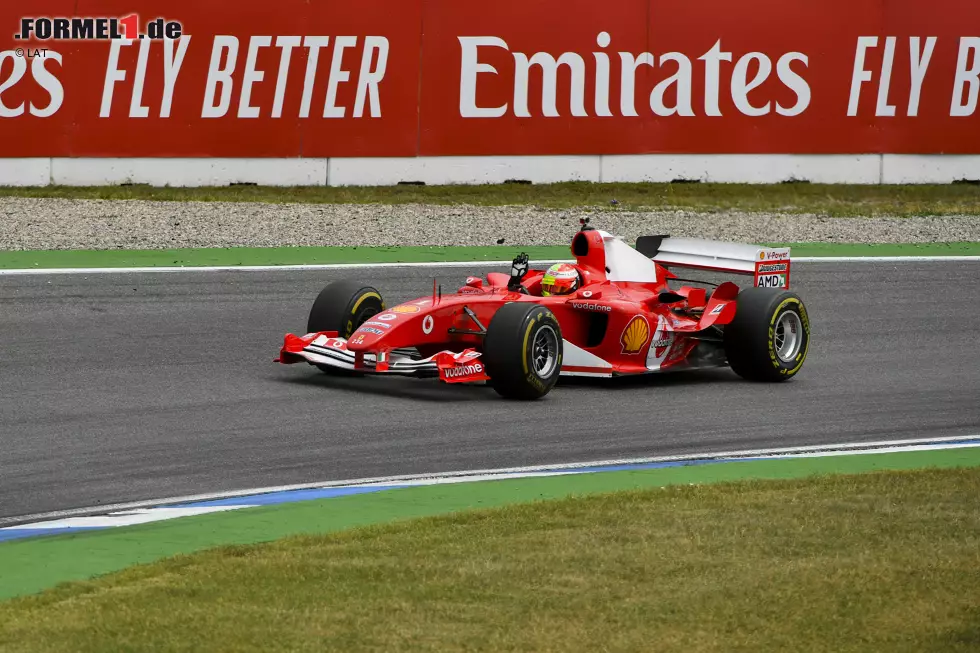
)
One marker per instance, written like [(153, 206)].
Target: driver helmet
[(560, 279)]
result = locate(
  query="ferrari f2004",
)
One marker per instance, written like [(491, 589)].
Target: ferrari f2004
[(615, 310)]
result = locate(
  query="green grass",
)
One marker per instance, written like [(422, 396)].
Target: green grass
[(829, 199), (887, 561), (32, 565)]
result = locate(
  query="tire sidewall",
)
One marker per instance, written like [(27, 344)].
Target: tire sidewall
[(341, 307), (784, 304), (366, 304), (344, 305), (536, 320), (508, 350)]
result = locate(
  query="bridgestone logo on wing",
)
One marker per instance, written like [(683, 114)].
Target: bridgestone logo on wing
[(465, 370), (773, 267)]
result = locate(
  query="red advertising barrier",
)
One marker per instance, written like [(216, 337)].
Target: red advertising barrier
[(440, 77)]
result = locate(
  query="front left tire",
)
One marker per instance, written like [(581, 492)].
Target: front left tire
[(343, 306)]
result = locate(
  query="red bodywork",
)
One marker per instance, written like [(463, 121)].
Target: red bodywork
[(610, 326)]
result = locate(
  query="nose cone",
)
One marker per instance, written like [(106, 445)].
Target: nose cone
[(393, 323), (366, 337)]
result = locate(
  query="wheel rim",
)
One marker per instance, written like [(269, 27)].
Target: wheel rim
[(544, 351), (364, 316), (788, 336)]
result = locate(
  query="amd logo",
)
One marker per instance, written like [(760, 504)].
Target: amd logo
[(770, 281)]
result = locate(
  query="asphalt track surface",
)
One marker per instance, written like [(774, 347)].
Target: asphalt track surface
[(125, 387)]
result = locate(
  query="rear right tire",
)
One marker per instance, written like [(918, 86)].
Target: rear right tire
[(769, 337)]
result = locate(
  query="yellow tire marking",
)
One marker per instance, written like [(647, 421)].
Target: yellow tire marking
[(527, 334), (361, 301), (804, 319)]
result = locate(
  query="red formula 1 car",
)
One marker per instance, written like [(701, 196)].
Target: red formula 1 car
[(629, 314)]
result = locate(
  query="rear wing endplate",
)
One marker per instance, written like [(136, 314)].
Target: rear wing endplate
[(769, 266)]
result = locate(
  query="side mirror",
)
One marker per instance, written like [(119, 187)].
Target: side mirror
[(475, 282), (668, 297)]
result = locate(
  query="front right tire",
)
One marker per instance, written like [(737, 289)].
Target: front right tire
[(522, 351)]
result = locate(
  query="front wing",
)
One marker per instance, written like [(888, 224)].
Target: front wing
[(328, 349)]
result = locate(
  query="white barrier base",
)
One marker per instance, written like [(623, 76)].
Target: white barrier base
[(385, 171), (25, 172), (189, 172)]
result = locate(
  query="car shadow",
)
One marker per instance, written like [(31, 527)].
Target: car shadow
[(711, 376), (399, 387), (432, 390)]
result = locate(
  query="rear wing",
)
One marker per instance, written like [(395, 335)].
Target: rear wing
[(769, 266)]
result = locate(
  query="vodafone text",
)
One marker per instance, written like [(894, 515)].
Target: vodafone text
[(464, 370)]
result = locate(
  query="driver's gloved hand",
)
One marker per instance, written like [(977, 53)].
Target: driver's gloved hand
[(517, 271)]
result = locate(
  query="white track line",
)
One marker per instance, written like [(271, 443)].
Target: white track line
[(124, 518), (415, 478), (882, 259), (437, 264), (263, 268)]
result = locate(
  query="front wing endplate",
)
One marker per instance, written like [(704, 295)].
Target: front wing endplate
[(327, 349)]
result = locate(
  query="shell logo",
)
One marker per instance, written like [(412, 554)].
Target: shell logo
[(635, 335), (405, 308)]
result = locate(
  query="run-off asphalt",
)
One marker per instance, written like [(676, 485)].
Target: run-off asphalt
[(123, 387)]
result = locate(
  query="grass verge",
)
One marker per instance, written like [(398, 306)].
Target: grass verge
[(233, 256), (827, 199), (32, 565), (887, 561)]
